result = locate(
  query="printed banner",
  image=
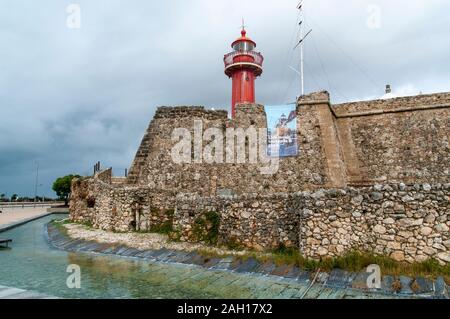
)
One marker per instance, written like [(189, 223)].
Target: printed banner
[(281, 130)]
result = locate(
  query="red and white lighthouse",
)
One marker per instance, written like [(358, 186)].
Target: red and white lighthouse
[(243, 65)]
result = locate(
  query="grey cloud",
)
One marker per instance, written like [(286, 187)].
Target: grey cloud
[(69, 98)]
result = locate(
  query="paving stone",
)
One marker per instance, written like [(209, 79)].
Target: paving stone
[(158, 253), (281, 271), (423, 286), (109, 250), (211, 262), (360, 281), (223, 264), (406, 285), (91, 247), (166, 257), (300, 291), (191, 257), (102, 247), (150, 254), (272, 292), (116, 249), (224, 280), (82, 246), (322, 278), (132, 252), (314, 292), (338, 294), (340, 278), (266, 268), (326, 293), (440, 288), (180, 256), (386, 284), (70, 244), (304, 276), (123, 251)]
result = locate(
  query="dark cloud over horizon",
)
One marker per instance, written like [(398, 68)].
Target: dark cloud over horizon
[(71, 97)]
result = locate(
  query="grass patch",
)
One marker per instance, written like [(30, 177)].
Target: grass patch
[(206, 228), (233, 244), (352, 262), (59, 225), (163, 228), (166, 227)]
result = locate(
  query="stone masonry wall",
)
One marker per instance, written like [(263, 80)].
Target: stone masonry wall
[(396, 140), (402, 140), (154, 167), (405, 222), (408, 223), (108, 207), (397, 147), (250, 221)]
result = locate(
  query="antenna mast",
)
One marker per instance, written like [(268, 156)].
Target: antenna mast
[(36, 183), (300, 43)]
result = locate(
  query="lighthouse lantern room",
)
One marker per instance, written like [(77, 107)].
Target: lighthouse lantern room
[(243, 65)]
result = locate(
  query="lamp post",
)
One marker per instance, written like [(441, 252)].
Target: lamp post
[(36, 183)]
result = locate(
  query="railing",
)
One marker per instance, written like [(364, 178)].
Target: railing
[(28, 204), (257, 57)]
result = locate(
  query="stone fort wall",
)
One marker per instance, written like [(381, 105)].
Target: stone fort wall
[(403, 140), (324, 201), (408, 223)]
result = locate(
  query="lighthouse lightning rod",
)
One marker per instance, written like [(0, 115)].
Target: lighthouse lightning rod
[(300, 43)]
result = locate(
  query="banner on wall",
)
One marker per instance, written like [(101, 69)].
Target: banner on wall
[(281, 130)]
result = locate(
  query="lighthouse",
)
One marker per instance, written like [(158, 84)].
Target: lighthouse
[(243, 65)]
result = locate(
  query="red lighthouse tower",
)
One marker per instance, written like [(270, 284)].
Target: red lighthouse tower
[(243, 65)]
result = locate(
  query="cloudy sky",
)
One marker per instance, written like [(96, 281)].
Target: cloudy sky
[(72, 96)]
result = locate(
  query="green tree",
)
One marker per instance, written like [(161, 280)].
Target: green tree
[(14, 197), (62, 187)]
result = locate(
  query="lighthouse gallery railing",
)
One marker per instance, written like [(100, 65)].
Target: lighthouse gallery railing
[(229, 58)]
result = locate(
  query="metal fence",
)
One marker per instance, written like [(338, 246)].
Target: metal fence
[(28, 204)]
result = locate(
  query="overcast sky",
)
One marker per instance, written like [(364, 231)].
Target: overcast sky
[(70, 97)]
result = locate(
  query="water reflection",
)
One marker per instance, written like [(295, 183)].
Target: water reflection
[(31, 264)]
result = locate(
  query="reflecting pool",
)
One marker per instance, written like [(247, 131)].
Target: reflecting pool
[(32, 264)]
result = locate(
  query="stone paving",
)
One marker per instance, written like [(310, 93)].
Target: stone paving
[(249, 279), (11, 217)]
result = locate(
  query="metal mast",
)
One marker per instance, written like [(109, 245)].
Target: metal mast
[(300, 43)]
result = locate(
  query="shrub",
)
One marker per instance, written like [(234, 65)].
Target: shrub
[(206, 228), (166, 227)]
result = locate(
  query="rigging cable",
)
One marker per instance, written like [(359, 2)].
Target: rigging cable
[(288, 60), (355, 64)]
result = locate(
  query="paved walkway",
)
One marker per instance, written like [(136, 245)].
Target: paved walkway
[(15, 293), (11, 217)]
